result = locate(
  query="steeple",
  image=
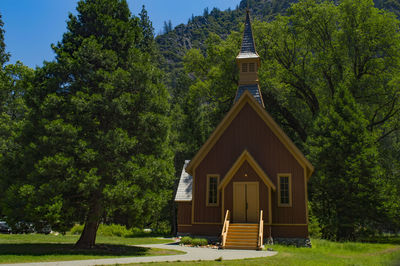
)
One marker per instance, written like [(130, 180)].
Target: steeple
[(248, 61)]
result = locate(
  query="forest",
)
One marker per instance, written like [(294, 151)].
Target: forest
[(100, 134)]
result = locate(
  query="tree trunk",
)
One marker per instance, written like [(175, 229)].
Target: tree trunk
[(88, 236)]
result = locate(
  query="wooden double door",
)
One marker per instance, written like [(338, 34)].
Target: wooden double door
[(245, 202)]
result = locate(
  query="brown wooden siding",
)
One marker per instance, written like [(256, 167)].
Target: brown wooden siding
[(289, 231), (201, 229), (184, 213), (251, 176), (248, 131)]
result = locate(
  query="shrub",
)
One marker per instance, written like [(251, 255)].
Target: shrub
[(77, 229), (136, 232), (161, 228), (194, 241), (122, 231), (113, 230), (313, 226), (186, 240), (199, 242)]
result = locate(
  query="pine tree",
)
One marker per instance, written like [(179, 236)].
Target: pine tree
[(147, 44), (4, 56), (345, 187), (100, 130)]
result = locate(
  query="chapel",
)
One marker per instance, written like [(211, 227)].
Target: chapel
[(248, 182)]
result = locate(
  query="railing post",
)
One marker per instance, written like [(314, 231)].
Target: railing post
[(261, 231), (225, 228)]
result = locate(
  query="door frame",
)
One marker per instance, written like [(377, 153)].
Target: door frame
[(257, 197), (246, 156)]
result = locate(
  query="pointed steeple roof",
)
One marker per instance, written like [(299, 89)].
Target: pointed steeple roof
[(248, 61), (248, 49)]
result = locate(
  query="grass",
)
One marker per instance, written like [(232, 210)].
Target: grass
[(322, 253), (45, 248)]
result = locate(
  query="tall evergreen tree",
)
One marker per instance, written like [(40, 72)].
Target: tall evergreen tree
[(345, 187), (4, 56), (99, 127), (147, 44), (14, 81)]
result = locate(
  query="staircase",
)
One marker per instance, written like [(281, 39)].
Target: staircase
[(242, 236)]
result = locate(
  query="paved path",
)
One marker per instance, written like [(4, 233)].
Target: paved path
[(192, 254)]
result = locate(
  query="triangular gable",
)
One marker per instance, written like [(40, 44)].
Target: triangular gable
[(246, 156), (223, 125)]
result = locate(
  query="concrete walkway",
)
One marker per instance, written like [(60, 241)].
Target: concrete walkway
[(192, 254)]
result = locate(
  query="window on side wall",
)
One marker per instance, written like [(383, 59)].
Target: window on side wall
[(212, 190), (284, 190)]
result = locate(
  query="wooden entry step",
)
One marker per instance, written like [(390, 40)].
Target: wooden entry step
[(242, 236)]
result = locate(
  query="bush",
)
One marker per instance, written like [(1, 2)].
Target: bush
[(199, 242), (77, 229), (194, 241), (186, 240), (136, 232), (161, 228), (113, 230), (122, 231), (314, 228)]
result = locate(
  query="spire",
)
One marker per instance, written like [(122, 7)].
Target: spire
[(248, 46), (248, 61)]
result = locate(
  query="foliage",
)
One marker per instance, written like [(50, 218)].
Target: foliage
[(211, 92), (199, 242), (175, 42), (314, 228), (14, 82), (98, 130), (186, 240), (4, 56), (77, 229), (310, 56), (114, 230), (345, 187), (120, 231)]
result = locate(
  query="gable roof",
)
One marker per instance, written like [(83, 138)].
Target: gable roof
[(246, 156), (184, 191), (247, 98)]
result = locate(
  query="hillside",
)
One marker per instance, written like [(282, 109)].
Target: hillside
[(174, 44)]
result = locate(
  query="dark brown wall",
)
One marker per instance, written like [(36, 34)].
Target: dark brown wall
[(200, 229), (184, 213), (251, 177), (289, 231), (249, 131)]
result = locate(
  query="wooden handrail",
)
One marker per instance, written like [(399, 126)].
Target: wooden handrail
[(225, 228), (261, 231)]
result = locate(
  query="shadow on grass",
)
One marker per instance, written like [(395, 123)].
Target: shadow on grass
[(395, 240), (69, 249)]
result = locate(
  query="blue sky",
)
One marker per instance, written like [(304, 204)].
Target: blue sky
[(33, 25)]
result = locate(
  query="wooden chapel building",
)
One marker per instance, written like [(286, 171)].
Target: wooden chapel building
[(249, 180)]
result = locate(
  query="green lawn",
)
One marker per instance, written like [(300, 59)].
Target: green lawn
[(36, 247), (322, 253)]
